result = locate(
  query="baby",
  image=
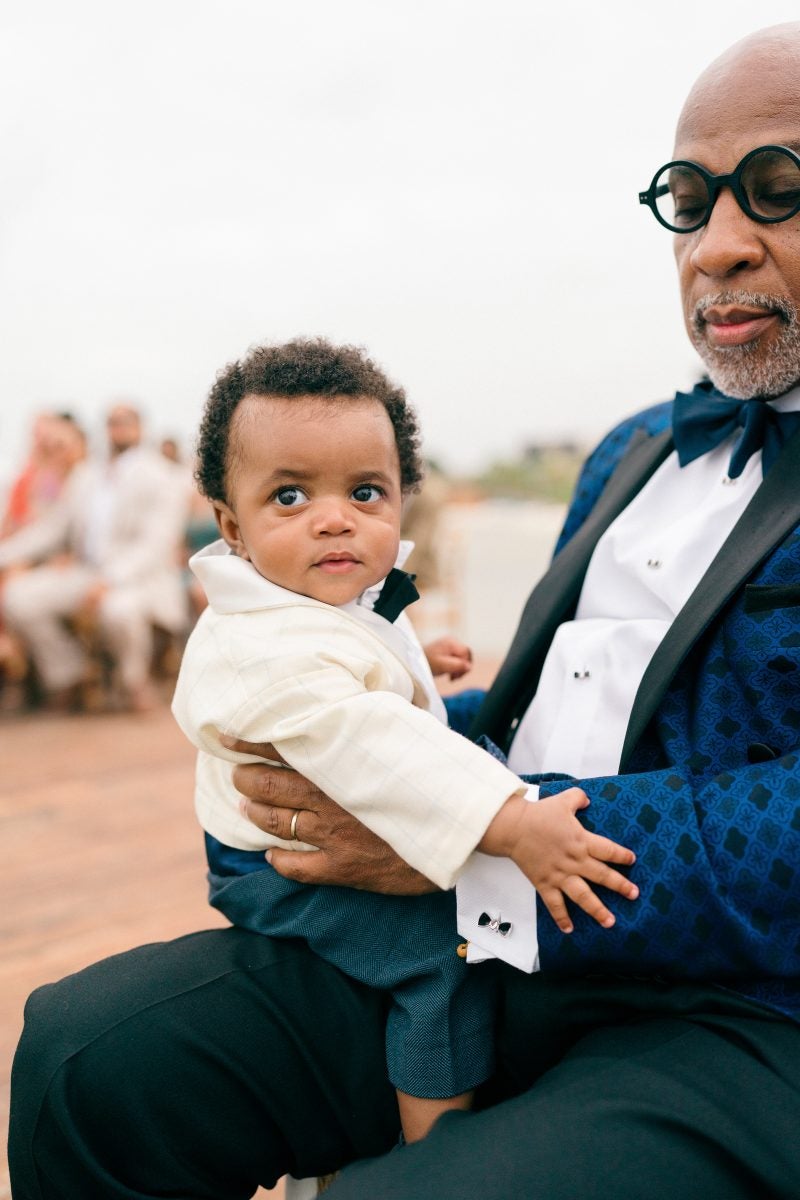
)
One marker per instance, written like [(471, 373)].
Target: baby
[(306, 452)]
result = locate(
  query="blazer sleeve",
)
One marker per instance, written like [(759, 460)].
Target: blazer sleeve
[(718, 868), (336, 716)]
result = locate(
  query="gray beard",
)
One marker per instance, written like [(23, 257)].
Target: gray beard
[(744, 372)]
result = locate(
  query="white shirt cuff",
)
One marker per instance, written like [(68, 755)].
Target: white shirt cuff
[(496, 909)]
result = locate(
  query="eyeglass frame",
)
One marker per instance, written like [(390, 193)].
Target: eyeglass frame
[(715, 184)]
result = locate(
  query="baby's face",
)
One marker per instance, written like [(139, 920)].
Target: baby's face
[(315, 493)]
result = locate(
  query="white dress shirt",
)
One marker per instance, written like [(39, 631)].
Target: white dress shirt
[(643, 570)]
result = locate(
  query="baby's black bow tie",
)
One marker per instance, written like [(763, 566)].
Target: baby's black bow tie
[(397, 593), (704, 417)]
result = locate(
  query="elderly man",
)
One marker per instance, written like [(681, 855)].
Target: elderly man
[(117, 529), (657, 665)]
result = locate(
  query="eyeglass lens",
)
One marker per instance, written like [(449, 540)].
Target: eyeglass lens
[(769, 183)]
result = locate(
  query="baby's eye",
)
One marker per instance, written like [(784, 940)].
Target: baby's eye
[(289, 497), (367, 493)]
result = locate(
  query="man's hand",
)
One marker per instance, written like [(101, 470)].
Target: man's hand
[(348, 854)]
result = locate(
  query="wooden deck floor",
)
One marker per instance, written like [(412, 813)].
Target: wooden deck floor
[(100, 849)]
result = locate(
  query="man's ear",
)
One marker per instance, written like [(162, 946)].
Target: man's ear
[(228, 526)]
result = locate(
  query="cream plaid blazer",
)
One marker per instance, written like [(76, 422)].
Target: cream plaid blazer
[(335, 691)]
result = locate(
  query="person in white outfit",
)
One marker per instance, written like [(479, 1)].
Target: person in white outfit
[(107, 549)]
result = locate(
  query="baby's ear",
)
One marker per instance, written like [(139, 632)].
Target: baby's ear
[(229, 527)]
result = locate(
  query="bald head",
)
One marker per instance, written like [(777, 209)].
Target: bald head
[(760, 73)]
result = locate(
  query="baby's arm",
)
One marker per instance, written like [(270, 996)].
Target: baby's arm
[(558, 855), (333, 714)]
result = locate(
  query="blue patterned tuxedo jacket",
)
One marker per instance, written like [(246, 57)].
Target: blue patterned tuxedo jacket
[(708, 794)]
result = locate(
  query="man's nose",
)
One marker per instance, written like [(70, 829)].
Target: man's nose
[(729, 243), (332, 515)]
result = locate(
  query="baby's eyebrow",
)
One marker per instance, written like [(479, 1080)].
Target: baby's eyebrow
[(298, 475), (368, 474), (289, 473)]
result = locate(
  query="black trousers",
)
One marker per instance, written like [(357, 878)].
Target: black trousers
[(199, 1068)]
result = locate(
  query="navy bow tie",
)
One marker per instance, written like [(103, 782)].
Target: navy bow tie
[(704, 417), (397, 593)]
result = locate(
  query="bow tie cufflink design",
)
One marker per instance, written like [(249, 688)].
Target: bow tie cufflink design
[(704, 417), (495, 924)]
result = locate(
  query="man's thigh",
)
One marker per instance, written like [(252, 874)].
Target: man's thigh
[(199, 1068), (677, 1094)]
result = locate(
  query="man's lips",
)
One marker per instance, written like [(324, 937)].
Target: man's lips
[(727, 325), (337, 564)]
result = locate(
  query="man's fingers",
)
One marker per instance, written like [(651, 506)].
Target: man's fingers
[(279, 801), (271, 796), (257, 749), (305, 866), (288, 824), (272, 785)]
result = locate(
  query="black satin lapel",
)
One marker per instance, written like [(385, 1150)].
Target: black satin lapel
[(555, 596), (770, 516)]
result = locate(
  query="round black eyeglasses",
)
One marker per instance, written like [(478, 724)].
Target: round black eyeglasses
[(766, 184)]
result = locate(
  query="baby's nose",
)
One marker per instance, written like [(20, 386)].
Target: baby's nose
[(333, 516)]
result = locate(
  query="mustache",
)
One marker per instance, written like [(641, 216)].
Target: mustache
[(777, 304)]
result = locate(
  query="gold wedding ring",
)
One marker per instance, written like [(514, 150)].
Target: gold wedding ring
[(293, 826)]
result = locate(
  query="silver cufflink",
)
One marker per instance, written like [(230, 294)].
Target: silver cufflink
[(495, 924)]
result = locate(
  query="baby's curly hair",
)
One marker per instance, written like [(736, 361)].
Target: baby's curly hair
[(302, 367)]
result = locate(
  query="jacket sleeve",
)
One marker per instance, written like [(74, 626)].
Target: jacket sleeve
[(717, 868)]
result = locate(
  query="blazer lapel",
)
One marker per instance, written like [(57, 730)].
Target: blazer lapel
[(555, 597), (770, 516)]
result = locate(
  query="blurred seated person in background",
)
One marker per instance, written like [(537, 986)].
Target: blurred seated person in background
[(116, 530), (57, 445)]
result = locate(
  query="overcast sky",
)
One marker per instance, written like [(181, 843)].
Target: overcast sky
[(451, 183)]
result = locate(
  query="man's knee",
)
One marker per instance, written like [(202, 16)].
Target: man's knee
[(122, 610), (224, 1050), (21, 600)]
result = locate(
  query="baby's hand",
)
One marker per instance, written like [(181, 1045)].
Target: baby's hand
[(446, 656), (549, 845)]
